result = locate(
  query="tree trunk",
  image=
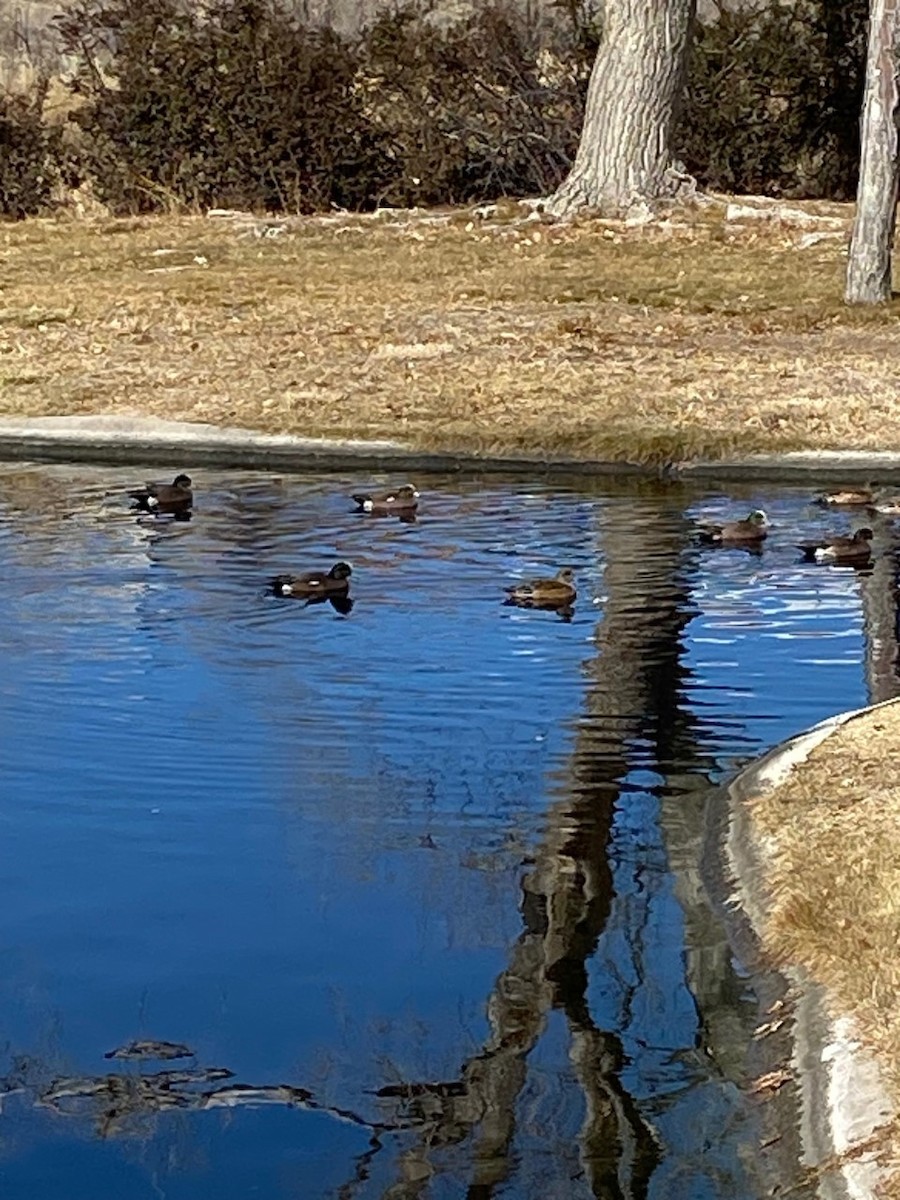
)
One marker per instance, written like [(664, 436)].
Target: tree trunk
[(869, 264), (624, 157)]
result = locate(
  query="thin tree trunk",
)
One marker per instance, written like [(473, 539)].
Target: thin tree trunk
[(624, 156), (869, 264)]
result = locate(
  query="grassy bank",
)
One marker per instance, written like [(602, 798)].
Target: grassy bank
[(692, 337), (832, 839)]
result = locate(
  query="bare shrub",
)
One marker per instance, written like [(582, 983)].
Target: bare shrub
[(773, 100), (237, 103), (28, 153)]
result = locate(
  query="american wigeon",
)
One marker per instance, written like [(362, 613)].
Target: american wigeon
[(750, 531), (886, 506), (852, 551), (401, 500), (164, 497), (544, 593), (848, 498), (314, 585)]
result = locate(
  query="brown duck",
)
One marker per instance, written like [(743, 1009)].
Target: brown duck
[(171, 497), (314, 585), (855, 551), (887, 506), (397, 501), (544, 593), (848, 498), (874, 499), (751, 531)]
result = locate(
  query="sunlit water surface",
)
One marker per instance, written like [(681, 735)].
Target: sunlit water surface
[(439, 841)]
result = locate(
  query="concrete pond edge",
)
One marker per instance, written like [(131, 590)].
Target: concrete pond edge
[(131, 439), (840, 1091)]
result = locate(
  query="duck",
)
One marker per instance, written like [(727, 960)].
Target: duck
[(399, 500), (852, 551), (750, 531), (165, 497), (558, 592), (848, 498), (886, 506), (314, 585)]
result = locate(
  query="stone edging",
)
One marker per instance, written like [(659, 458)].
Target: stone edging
[(842, 1099), (131, 439)]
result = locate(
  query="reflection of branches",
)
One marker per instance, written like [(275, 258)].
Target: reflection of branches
[(879, 595), (115, 1101), (118, 1100), (563, 918)]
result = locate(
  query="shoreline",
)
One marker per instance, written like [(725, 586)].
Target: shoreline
[(843, 1101), (126, 439)]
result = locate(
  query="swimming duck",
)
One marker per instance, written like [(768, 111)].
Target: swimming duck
[(400, 500), (544, 593), (886, 504), (852, 551), (165, 497), (848, 498), (751, 531), (314, 585)]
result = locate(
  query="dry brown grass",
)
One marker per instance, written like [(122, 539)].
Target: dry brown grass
[(833, 832), (594, 340)]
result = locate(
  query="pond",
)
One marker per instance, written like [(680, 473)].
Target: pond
[(415, 888)]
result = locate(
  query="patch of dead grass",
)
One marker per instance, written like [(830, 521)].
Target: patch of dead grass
[(832, 832), (667, 341)]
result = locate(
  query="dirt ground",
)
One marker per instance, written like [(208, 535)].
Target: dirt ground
[(703, 333)]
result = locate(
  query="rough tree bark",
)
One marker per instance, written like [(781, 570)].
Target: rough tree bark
[(869, 264), (624, 157)]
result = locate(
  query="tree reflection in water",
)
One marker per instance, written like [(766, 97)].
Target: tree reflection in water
[(569, 894)]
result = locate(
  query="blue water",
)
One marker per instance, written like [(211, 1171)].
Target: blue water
[(430, 842)]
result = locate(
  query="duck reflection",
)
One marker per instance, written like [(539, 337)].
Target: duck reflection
[(342, 604), (565, 611), (161, 519), (404, 516)]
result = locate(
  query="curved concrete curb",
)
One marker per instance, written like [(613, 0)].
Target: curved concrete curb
[(841, 1095), (132, 439)]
